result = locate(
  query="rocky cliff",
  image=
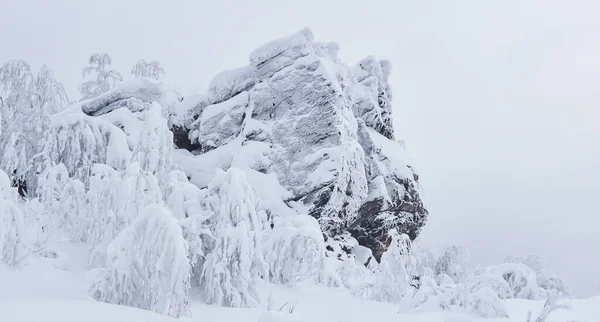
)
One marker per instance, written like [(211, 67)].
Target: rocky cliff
[(322, 129)]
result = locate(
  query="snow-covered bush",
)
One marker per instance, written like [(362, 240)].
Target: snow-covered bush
[(453, 262), (424, 259), (234, 261), (147, 265), (105, 78), (110, 210), (550, 283), (554, 284), (521, 280), (428, 295), (12, 247), (294, 249)]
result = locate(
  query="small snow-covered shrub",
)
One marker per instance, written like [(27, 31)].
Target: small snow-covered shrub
[(234, 262), (294, 250), (147, 265), (430, 296)]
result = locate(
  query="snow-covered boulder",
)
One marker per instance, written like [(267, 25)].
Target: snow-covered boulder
[(298, 115), (127, 94), (229, 83)]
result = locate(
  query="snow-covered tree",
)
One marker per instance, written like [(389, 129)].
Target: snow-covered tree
[(295, 250), (234, 262), (79, 142), (550, 283), (521, 280), (48, 95), (453, 262), (425, 260), (64, 198), (12, 247), (534, 261), (148, 70), (427, 294), (147, 265), (396, 268), (15, 82), (153, 150), (105, 77), (185, 201), (27, 103), (109, 209)]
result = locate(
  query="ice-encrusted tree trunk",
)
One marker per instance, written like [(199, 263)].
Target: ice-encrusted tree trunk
[(148, 70), (147, 265), (27, 103), (234, 262), (105, 77)]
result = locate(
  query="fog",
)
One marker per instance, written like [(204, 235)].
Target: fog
[(498, 101)]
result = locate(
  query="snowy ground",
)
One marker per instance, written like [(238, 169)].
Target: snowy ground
[(55, 290)]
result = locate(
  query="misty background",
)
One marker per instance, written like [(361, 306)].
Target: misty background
[(498, 101)]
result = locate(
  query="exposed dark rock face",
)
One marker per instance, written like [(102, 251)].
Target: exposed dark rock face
[(329, 137)]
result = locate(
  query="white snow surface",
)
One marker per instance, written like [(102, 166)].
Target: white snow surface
[(55, 290)]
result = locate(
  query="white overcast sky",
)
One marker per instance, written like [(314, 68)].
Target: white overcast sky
[(498, 101)]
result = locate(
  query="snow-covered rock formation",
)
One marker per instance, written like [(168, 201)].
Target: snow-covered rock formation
[(298, 117)]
